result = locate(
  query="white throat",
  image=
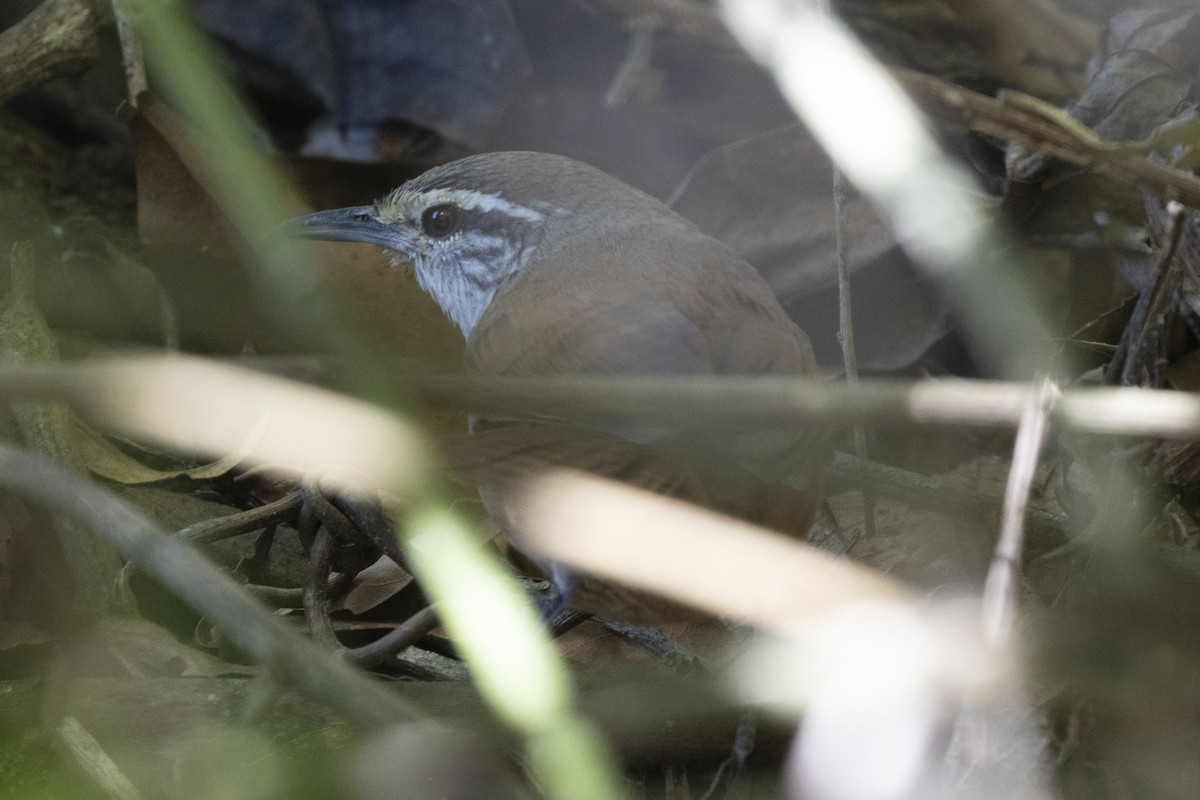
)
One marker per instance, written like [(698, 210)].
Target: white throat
[(461, 297)]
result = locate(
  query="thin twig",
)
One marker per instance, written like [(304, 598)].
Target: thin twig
[(846, 316), (698, 399), (717, 400), (399, 638), (256, 565), (1168, 276), (284, 597), (369, 520), (846, 332), (316, 588), (1015, 120), (845, 313), (330, 515), (334, 527), (1124, 367), (1000, 589), (214, 530)]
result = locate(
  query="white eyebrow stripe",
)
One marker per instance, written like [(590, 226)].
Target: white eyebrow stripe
[(471, 199)]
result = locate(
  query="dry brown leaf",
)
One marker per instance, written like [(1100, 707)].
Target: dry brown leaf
[(377, 583), (105, 459)]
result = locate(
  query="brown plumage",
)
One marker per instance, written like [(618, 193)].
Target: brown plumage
[(551, 267)]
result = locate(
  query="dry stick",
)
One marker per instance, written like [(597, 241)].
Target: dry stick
[(846, 317), (316, 586), (368, 519), (335, 526), (1157, 371), (1168, 276), (712, 399), (293, 597), (205, 588), (1060, 136), (58, 38), (1127, 361), (131, 50), (214, 530), (402, 636), (846, 333), (330, 515), (280, 596), (1000, 590), (719, 400)]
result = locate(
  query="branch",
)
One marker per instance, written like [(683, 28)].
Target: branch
[(58, 38), (733, 400), (1021, 119), (117, 391)]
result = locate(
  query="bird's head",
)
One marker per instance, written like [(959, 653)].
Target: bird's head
[(467, 227)]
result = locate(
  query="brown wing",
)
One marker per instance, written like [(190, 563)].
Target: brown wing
[(602, 311)]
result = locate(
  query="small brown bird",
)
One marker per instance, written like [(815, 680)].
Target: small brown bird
[(552, 267)]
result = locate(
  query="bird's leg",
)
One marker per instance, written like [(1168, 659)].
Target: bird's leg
[(554, 600), (563, 580)]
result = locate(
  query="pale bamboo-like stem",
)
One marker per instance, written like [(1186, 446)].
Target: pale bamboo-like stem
[(732, 400), (1000, 589)]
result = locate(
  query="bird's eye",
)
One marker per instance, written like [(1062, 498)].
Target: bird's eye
[(441, 220)]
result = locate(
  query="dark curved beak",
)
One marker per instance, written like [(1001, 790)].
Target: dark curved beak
[(353, 224)]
